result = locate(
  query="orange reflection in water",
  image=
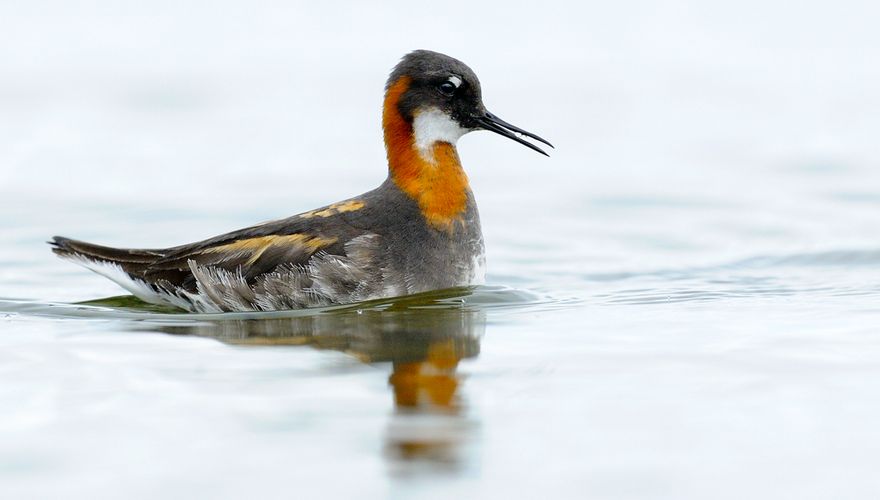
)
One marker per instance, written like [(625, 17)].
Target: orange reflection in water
[(428, 384), (428, 426)]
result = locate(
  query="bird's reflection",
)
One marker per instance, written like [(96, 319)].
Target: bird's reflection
[(428, 425), (424, 346)]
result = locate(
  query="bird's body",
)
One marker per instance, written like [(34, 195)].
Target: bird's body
[(418, 231)]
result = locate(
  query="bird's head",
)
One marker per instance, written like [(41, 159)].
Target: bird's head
[(440, 99)]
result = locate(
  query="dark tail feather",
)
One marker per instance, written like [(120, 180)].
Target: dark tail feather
[(136, 262), (132, 260)]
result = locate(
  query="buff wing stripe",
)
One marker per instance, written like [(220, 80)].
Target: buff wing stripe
[(254, 248), (248, 256)]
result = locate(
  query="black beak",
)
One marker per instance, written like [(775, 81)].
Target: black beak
[(499, 126)]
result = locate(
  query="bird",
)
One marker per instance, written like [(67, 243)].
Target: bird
[(418, 231)]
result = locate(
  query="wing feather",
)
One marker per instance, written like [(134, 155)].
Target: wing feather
[(252, 256)]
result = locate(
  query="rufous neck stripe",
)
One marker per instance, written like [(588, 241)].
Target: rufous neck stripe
[(440, 187)]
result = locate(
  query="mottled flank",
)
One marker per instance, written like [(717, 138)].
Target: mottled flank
[(325, 279)]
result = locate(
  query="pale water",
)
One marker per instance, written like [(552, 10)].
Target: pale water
[(682, 302)]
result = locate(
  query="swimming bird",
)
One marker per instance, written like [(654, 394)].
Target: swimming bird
[(418, 231)]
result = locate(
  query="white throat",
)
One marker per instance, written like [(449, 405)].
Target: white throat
[(431, 126)]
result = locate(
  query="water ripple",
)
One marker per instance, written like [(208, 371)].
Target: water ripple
[(838, 273), (482, 298)]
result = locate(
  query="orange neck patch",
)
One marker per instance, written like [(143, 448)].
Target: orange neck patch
[(440, 187)]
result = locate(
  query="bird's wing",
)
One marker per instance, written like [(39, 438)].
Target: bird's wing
[(259, 249), (248, 252)]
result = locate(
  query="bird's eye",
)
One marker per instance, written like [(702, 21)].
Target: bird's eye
[(447, 88)]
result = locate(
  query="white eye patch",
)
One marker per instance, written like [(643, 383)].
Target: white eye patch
[(455, 81)]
